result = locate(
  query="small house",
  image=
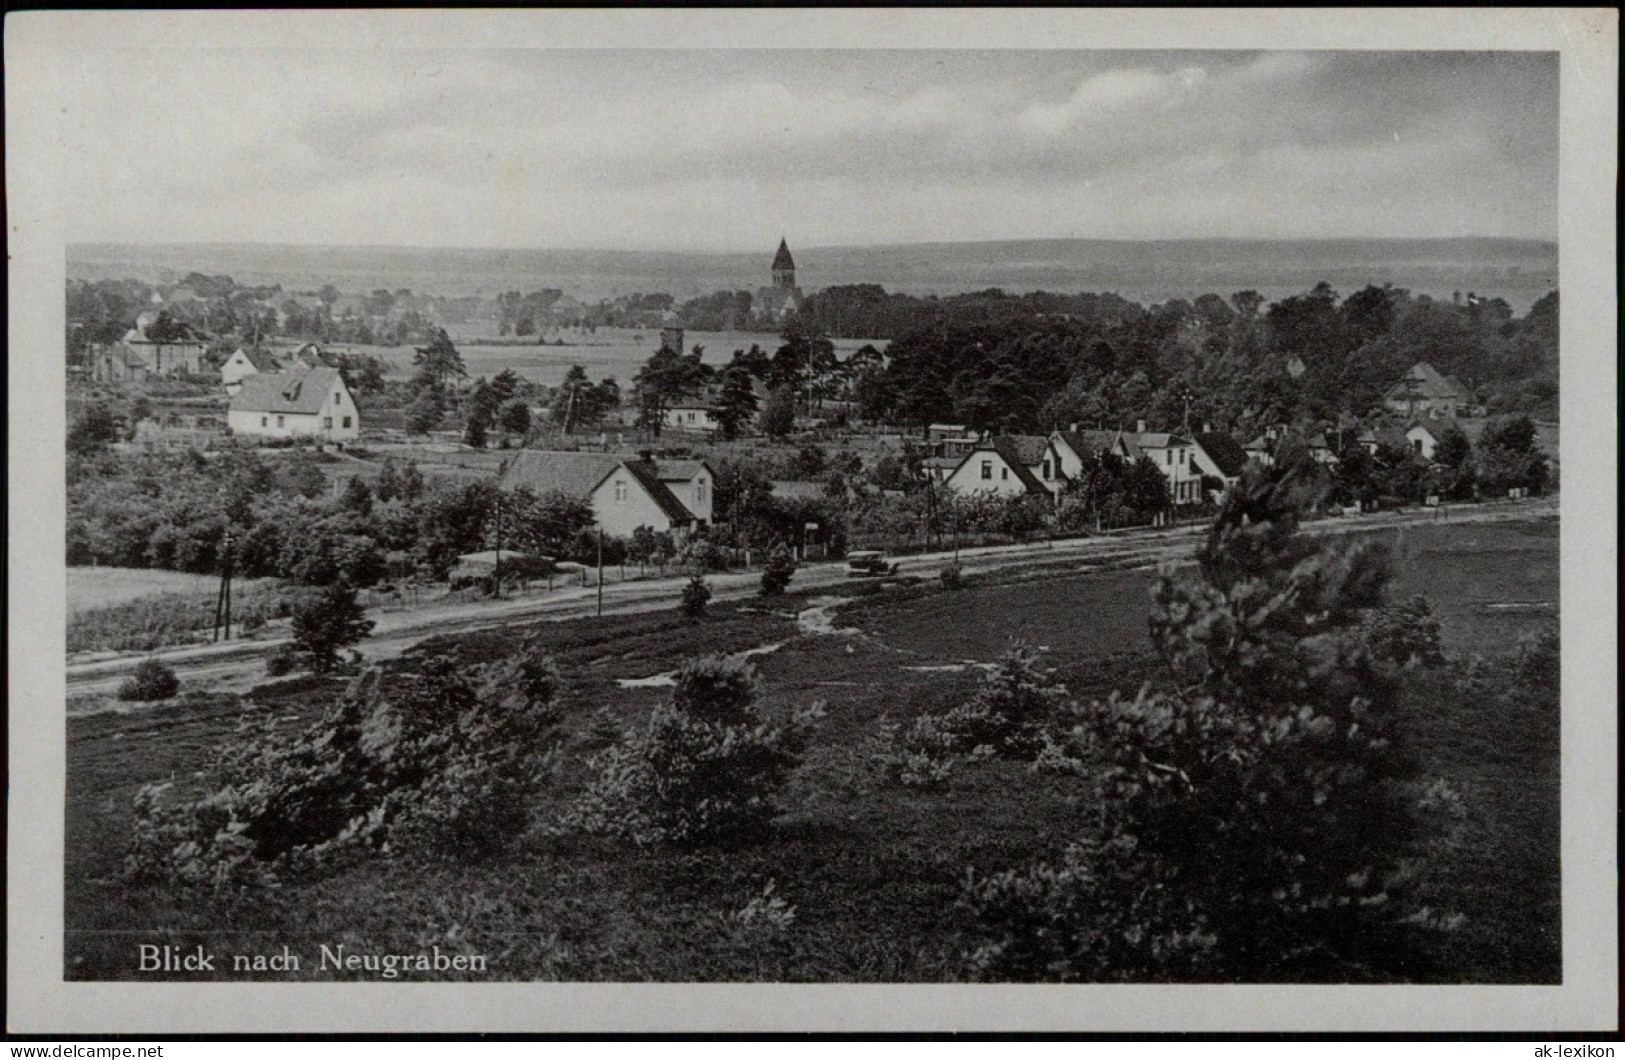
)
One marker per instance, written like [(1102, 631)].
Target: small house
[(312, 404), (625, 492)]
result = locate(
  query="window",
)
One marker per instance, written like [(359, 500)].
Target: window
[(987, 469), (620, 492), (1168, 456), (281, 421), (1046, 468), (346, 421), (699, 491), (691, 417), (1004, 473), (1417, 442), (327, 423), (1182, 456), (335, 398), (265, 421)]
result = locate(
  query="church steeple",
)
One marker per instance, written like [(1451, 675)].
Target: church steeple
[(784, 267)]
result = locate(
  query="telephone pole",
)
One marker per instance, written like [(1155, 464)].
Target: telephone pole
[(600, 571), (222, 601)]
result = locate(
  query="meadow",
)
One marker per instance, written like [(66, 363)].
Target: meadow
[(615, 353), (871, 873)]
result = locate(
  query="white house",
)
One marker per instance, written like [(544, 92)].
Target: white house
[(311, 404), (997, 468), (1172, 455), (1038, 455), (1423, 440), (692, 417), (625, 493), (245, 362)]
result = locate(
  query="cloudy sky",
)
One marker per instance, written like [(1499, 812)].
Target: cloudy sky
[(727, 150)]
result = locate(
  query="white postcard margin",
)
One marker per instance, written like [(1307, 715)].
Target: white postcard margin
[(38, 46)]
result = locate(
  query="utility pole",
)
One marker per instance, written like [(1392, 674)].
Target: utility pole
[(222, 602), (600, 571), (497, 573)]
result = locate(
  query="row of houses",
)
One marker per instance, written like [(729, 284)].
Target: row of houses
[(1039, 465)]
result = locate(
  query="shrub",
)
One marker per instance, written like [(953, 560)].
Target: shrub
[(1256, 820), (1405, 634), (777, 571), (151, 680), (1540, 661), (327, 621), (281, 662), (706, 769), (442, 758), (696, 594), (952, 576), (1008, 717)]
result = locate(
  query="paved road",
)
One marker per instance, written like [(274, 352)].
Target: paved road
[(239, 665)]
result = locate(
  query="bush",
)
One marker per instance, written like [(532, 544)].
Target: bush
[(151, 680), (440, 759), (1540, 661), (1008, 717), (696, 594), (327, 621), (952, 576), (281, 662), (706, 769), (1257, 820), (1405, 634), (777, 571)]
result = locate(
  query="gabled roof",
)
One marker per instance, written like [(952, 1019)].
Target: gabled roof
[(262, 360), (1423, 382), (304, 394), (1225, 452), (576, 474), (1031, 448), (579, 474), (680, 470), (1084, 442), (1155, 440), (648, 476), (1012, 456)]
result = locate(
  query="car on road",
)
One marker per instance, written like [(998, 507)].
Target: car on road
[(868, 565)]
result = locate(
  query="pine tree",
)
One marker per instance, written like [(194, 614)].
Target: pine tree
[(329, 620)]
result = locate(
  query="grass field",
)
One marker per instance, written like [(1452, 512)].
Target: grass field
[(873, 872), (93, 587)]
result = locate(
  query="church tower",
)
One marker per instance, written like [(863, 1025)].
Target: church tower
[(784, 268)]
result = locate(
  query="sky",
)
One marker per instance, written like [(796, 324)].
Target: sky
[(728, 150)]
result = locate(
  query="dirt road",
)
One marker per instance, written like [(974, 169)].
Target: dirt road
[(239, 665)]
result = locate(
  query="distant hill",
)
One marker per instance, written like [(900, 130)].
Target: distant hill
[(1150, 271)]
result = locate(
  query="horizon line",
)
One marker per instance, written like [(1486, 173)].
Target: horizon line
[(1296, 240)]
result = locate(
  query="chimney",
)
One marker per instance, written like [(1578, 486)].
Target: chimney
[(646, 455), (1139, 426), (1207, 428)]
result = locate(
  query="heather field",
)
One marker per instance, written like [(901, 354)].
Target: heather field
[(859, 880)]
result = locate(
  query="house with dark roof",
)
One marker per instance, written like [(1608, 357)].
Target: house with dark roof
[(995, 467), (246, 361), (625, 492), (1038, 456), (1218, 455), (1072, 447), (310, 404), (1424, 391)]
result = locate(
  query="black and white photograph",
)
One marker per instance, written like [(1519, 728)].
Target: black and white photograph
[(537, 498)]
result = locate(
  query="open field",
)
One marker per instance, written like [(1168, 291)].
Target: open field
[(874, 872), (92, 587), (615, 353)]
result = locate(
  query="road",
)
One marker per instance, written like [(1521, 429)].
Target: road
[(239, 665)]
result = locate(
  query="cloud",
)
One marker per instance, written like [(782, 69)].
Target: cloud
[(722, 149)]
